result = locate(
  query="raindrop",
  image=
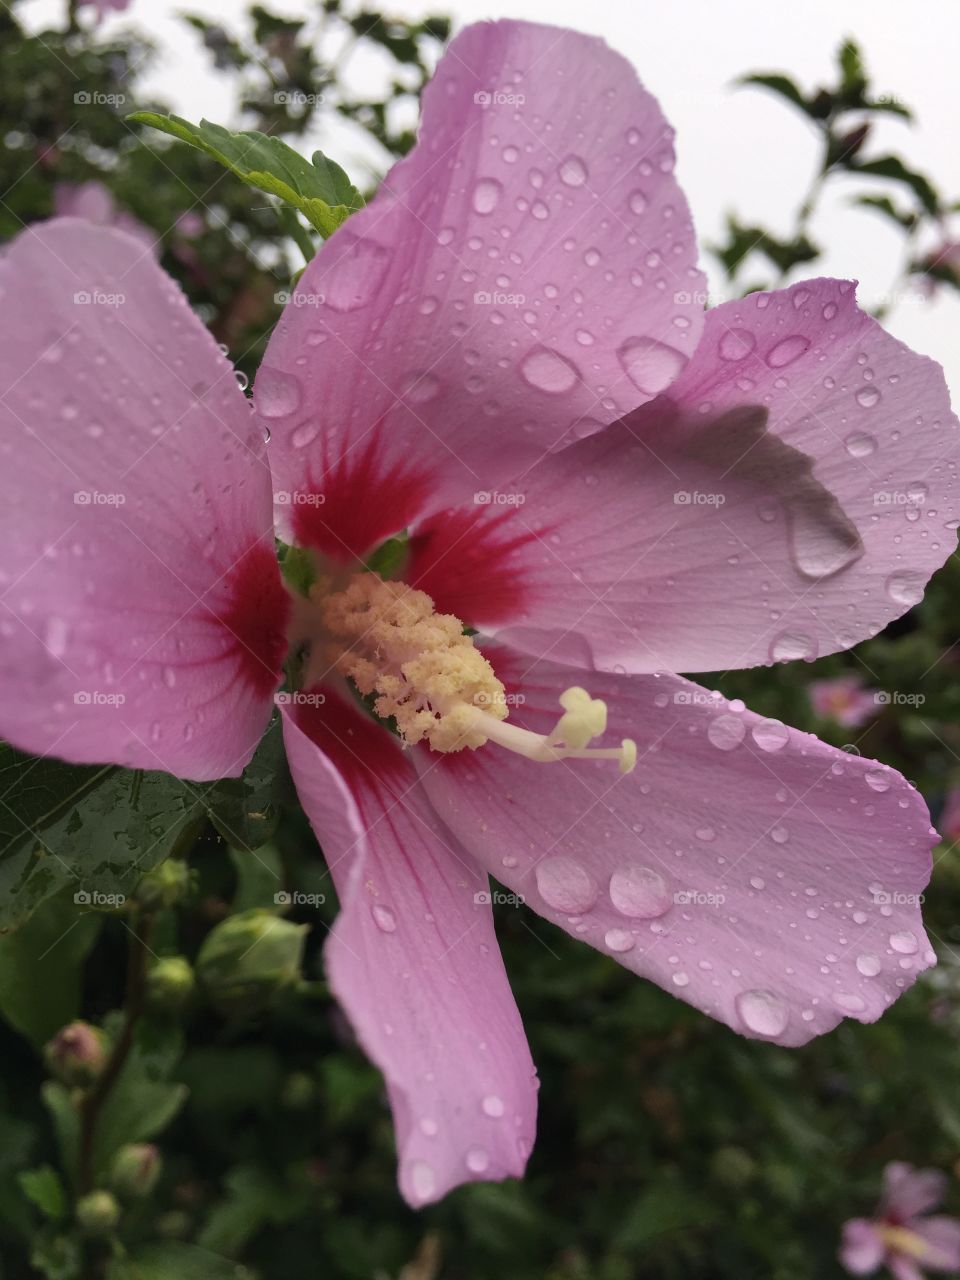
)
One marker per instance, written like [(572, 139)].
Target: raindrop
[(486, 195), (726, 732), (736, 343), (573, 172), (877, 780), (823, 541), (639, 892), (477, 1160), (770, 735), (650, 365), (383, 918), (619, 940), (859, 444), (549, 371), (906, 587), (792, 646), (762, 1012), (493, 1106), (905, 943), (787, 350), (277, 394), (423, 1180), (565, 885), (868, 965), (867, 397)]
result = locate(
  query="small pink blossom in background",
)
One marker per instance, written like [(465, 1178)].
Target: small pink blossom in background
[(949, 823), (103, 7), (94, 202), (844, 699), (901, 1237)]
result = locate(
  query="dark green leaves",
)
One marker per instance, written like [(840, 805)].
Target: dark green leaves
[(96, 830), (319, 189)]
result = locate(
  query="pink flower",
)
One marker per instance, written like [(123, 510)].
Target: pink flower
[(94, 202), (504, 354), (103, 7), (900, 1237), (843, 699)]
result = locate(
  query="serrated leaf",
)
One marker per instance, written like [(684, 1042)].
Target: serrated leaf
[(44, 1188), (319, 188), (115, 826)]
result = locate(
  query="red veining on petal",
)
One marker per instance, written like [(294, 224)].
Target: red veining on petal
[(256, 618), (465, 561), (365, 753), (360, 499)]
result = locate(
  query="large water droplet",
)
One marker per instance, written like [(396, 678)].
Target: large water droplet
[(422, 1179), (877, 780), (383, 918), (565, 885), (549, 371), (639, 892), (573, 172), (650, 365), (859, 444), (486, 195), (619, 940), (355, 278), (276, 394), (787, 350), (770, 735), (793, 646), (906, 587), (762, 1012), (823, 540), (478, 1161), (868, 965), (904, 943), (726, 732), (867, 397), (736, 343), (493, 1106)]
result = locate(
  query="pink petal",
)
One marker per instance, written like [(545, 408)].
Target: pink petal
[(902, 1268), (908, 1191), (94, 202), (750, 869), (862, 1249), (527, 269), (143, 618), (413, 957), (804, 459), (941, 1235)]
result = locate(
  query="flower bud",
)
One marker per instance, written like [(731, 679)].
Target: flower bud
[(248, 959), (97, 1213), (76, 1055), (135, 1169), (164, 886), (170, 984)]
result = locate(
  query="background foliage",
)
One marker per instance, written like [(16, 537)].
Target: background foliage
[(237, 1130)]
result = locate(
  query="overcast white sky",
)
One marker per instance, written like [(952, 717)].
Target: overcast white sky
[(738, 149)]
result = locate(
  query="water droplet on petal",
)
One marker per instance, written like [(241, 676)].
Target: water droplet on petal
[(650, 365), (859, 444), (770, 735), (792, 646), (787, 350), (726, 731), (736, 343), (877, 780), (906, 588), (486, 195), (493, 1106), (619, 940), (573, 172), (565, 885), (477, 1160), (422, 1179), (762, 1012), (383, 918), (823, 540), (549, 371), (277, 394), (868, 965), (356, 276), (905, 943), (639, 892), (867, 397)]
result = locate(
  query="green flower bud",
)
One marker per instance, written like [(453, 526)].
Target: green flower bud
[(248, 959), (98, 1213), (76, 1055), (170, 984), (135, 1169), (164, 886)]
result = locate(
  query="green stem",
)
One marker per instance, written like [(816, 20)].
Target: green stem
[(297, 232)]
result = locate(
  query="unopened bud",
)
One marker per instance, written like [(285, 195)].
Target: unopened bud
[(164, 886), (135, 1169), (170, 984), (248, 959), (76, 1055), (98, 1213)]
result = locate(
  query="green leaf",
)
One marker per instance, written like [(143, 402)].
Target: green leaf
[(779, 84), (853, 74), (137, 1108), (884, 205), (893, 167), (246, 810), (319, 188), (259, 879), (114, 827), (44, 1188), (41, 968), (175, 1261)]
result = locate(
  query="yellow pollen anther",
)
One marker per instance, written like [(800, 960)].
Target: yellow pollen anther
[(425, 674), (902, 1240)]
